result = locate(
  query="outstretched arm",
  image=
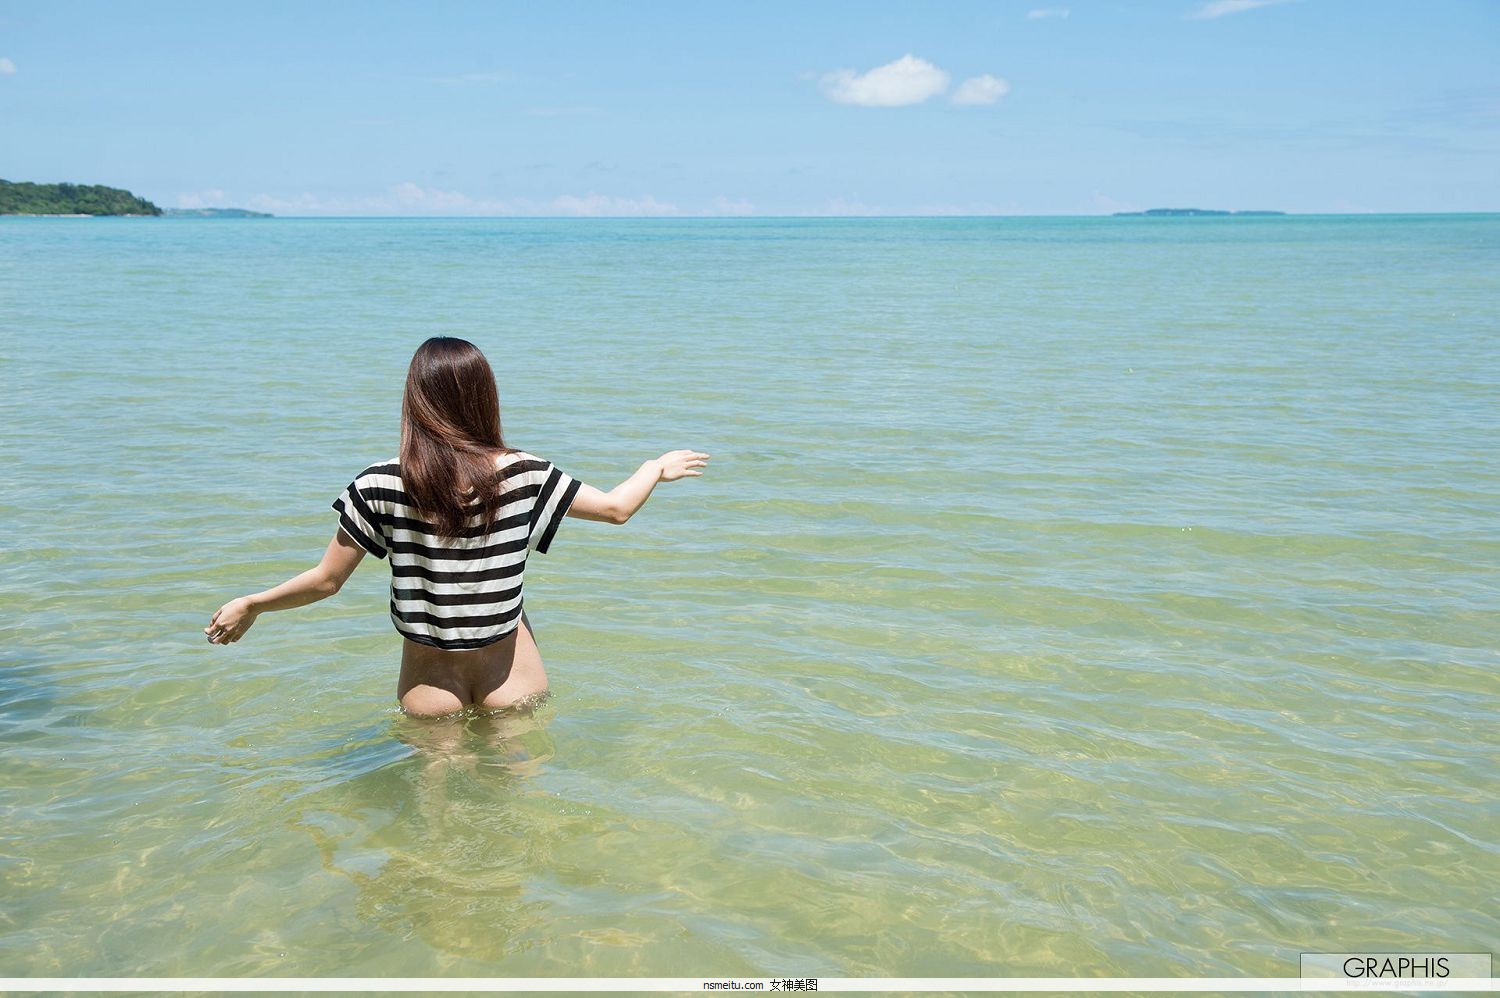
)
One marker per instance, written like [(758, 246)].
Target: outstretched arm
[(233, 619), (621, 502)]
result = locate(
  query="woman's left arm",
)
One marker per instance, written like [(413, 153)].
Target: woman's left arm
[(233, 619)]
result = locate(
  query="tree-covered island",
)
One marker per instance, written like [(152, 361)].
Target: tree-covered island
[(93, 199), (70, 199)]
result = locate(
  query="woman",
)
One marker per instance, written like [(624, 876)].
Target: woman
[(458, 512)]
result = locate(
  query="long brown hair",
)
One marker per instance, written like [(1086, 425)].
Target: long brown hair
[(450, 435)]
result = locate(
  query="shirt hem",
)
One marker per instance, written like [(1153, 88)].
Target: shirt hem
[(459, 644)]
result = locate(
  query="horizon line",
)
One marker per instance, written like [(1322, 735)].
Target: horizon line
[(1228, 213)]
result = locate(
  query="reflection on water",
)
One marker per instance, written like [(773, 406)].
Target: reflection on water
[(433, 840), (476, 738)]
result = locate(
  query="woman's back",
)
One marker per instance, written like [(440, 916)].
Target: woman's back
[(455, 579), (457, 593)]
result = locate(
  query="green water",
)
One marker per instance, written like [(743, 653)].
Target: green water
[(1065, 597)]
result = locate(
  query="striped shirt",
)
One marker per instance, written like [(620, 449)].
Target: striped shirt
[(465, 592)]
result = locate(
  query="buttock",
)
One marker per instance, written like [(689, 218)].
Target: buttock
[(435, 682)]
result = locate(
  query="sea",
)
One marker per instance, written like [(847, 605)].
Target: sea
[(1065, 596)]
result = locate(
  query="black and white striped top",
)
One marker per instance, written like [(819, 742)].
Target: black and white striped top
[(464, 592)]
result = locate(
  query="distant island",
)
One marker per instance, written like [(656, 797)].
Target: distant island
[(85, 200), (1180, 212), (214, 213), (70, 199)]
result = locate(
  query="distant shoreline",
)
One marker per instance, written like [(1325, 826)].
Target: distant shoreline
[(1189, 213), (214, 213), (29, 200)]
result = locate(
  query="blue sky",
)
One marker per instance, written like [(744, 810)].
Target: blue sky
[(1045, 107)]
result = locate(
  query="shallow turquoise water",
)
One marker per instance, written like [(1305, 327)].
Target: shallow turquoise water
[(1066, 596)]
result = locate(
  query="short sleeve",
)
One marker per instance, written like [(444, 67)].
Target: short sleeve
[(552, 503), (359, 520)]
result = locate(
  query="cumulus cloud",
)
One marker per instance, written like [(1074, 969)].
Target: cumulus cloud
[(969, 209), (1219, 8), (415, 200), (842, 206), (1108, 204), (601, 204), (7, 68), (731, 206), (1040, 12), (211, 198), (401, 199), (431, 200), (908, 80), (984, 89)]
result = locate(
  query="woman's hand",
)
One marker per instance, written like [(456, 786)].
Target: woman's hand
[(679, 463), (231, 621)]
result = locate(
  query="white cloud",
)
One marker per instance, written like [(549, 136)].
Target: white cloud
[(1108, 204), (732, 206), (840, 206), (415, 200), (430, 200), (1041, 12), (7, 68), (402, 199), (908, 80), (211, 198), (600, 204), (972, 208), (1219, 8), (984, 89)]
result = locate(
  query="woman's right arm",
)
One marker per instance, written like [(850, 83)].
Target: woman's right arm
[(621, 502)]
